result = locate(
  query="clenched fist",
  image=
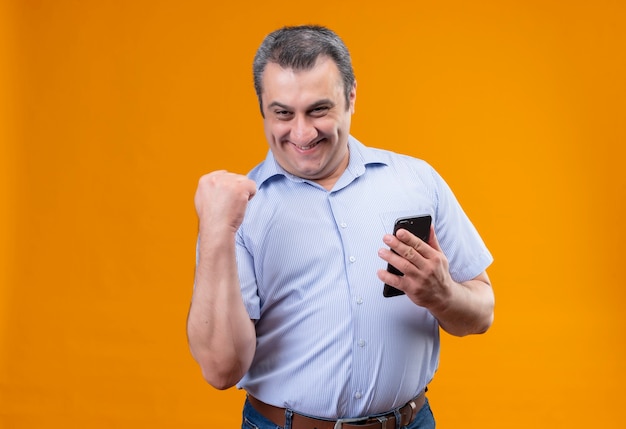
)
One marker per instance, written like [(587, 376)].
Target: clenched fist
[(221, 199)]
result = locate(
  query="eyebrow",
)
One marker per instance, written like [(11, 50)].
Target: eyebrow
[(277, 104), (315, 105)]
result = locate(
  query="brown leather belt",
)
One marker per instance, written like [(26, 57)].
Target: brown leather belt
[(387, 421)]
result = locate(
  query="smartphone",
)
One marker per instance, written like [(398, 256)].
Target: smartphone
[(416, 225)]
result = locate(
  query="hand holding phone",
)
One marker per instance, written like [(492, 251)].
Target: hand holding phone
[(416, 225)]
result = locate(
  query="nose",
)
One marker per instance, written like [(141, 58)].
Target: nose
[(303, 131)]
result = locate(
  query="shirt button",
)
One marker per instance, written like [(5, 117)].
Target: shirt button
[(343, 225), (352, 259), (358, 395), (359, 300), (362, 343)]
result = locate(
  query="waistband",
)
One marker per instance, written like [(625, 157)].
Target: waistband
[(298, 421)]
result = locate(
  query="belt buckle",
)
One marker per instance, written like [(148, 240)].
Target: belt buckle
[(383, 422), (339, 423)]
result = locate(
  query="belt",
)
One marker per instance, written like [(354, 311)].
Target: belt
[(387, 421)]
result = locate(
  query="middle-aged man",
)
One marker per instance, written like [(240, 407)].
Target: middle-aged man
[(291, 260)]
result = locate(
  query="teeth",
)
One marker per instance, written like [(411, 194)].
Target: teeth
[(306, 147)]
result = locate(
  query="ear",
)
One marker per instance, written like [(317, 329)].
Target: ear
[(353, 97)]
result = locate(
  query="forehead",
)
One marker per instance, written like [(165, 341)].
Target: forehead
[(323, 80)]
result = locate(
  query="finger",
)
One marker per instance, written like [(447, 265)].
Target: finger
[(414, 242), (390, 279), (405, 258), (240, 183), (249, 187), (403, 243), (404, 266)]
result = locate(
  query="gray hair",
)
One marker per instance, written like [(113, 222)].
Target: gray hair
[(298, 48)]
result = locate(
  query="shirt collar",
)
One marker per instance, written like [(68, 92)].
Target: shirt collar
[(360, 157)]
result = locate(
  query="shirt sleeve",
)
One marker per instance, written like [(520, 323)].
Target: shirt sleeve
[(459, 240)]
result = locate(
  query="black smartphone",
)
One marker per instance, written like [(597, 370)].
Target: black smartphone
[(416, 225)]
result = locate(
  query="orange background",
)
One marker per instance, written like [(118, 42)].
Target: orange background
[(111, 110)]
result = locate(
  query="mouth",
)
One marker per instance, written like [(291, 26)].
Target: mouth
[(308, 147)]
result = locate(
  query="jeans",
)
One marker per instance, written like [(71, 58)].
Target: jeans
[(253, 420)]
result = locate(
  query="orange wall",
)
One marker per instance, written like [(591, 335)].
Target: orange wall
[(112, 110)]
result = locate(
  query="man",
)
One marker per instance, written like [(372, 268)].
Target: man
[(292, 259)]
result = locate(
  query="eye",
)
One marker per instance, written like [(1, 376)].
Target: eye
[(283, 114), (320, 111)]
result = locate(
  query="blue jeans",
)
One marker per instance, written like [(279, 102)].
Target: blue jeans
[(253, 420)]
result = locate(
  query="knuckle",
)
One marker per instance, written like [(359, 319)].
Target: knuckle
[(409, 253), (406, 267)]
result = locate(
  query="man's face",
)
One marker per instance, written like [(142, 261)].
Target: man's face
[(307, 122)]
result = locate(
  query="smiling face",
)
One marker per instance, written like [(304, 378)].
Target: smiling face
[(306, 120)]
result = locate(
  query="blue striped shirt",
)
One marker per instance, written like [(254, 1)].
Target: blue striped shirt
[(328, 343)]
